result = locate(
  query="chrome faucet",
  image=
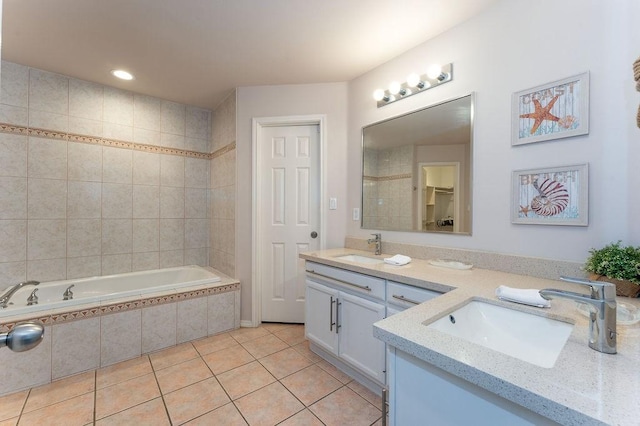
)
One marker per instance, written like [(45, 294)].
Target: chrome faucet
[(602, 324), (68, 294), (6, 296), (378, 241)]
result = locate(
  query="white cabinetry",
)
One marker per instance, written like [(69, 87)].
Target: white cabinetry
[(341, 309)]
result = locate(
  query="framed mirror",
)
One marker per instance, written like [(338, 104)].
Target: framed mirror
[(417, 170)]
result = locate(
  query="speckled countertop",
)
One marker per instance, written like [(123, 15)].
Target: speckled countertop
[(583, 387)]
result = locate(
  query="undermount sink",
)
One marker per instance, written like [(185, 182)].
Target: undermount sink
[(528, 337), (360, 259)]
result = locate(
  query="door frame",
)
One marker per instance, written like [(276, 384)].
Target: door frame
[(256, 150), (456, 195)]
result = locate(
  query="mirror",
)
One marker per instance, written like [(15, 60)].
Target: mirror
[(417, 170)]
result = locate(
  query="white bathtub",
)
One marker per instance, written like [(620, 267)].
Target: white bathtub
[(110, 287)]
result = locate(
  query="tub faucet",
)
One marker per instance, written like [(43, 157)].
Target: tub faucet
[(68, 294), (6, 296), (602, 324), (378, 241)]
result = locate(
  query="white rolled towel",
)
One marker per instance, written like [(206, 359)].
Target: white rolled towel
[(398, 260), (520, 295)]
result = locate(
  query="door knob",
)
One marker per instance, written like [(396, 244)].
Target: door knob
[(314, 234)]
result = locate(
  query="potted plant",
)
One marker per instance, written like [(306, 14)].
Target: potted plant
[(618, 265)]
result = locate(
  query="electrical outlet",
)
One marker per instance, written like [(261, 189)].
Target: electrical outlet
[(356, 214)]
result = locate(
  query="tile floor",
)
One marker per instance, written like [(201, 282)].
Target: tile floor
[(256, 376)]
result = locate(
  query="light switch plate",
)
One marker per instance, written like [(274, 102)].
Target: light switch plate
[(333, 203), (356, 214)]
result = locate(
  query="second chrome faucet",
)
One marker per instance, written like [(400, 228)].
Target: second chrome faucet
[(378, 241), (602, 324)]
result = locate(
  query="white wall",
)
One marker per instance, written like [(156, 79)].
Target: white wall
[(511, 47), (276, 101)]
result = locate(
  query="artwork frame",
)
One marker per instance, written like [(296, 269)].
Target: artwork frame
[(567, 116), (559, 196)]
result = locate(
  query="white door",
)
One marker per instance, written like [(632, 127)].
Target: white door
[(289, 217)]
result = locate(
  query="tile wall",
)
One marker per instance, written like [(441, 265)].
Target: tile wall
[(223, 187), (387, 191), (135, 197)]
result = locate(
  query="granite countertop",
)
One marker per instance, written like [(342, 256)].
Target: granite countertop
[(583, 387)]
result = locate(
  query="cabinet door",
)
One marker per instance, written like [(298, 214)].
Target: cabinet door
[(320, 316), (357, 344)]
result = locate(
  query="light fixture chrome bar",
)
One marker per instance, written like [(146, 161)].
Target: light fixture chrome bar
[(425, 83)]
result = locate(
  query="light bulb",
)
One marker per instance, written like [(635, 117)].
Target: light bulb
[(378, 95), (434, 72), (122, 74), (394, 88), (413, 80)]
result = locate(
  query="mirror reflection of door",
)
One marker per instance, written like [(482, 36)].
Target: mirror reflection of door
[(439, 197)]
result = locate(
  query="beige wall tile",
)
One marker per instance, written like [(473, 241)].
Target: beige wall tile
[(12, 273), (15, 84), (47, 270), (221, 312), (118, 106), (13, 240), (171, 202), (146, 112), (81, 267), (192, 319), (48, 120), (13, 155), (117, 201), (86, 100), (146, 201), (172, 118), (121, 336), (146, 168), (198, 123), (197, 145), (146, 234), (85, 126), (196, 233), (196, 173), (47, 199), (22, 374), (117, 165), (158, 327), (171, 234), (196, 257), (75, 347), (195, 203), (84, 237), (48, 92), (84, 200), (46, 239), (147, 137), (47, 158), (116, 264), (171, 258), (116, 236), (145, 261), (171, 170), (169, 140), (18, 116), (118, 132), (84, 162), (13, 198)]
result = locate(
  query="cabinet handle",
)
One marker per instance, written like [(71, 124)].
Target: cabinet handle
[(361, 287), (404, 299), (331, 323), (338, 314)]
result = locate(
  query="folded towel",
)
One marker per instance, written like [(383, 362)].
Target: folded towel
[(398, 260), (525, 296)]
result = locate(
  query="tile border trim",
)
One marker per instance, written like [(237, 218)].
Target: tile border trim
[(387, 178), (96, 311), (94, 140)]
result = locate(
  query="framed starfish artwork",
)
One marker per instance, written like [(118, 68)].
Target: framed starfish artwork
[(559, 109), (551, 196)]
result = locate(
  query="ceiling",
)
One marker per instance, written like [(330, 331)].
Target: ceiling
[(196, 51)]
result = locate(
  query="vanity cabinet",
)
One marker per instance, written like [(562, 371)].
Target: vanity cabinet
[(402, 296), (340, 311)]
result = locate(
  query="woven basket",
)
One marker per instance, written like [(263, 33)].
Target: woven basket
[(636, 69), (623, 287)]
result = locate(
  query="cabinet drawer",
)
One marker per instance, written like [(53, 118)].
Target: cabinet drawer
[(347, 280), (407, 296)]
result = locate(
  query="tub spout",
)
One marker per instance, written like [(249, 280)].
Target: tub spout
[(6, 296)]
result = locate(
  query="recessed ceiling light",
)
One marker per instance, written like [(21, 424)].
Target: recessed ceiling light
[(122, 74)]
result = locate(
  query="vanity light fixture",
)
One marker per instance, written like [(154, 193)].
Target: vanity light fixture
[(122, 74), (416, 83)]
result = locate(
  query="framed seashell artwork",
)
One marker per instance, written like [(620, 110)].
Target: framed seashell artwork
[(559, 109), (551, 196)]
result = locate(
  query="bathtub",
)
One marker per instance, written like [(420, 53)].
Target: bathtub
[(95, 290), (115, 318)]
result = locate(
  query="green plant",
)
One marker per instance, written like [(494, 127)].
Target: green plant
[(615, 261)]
